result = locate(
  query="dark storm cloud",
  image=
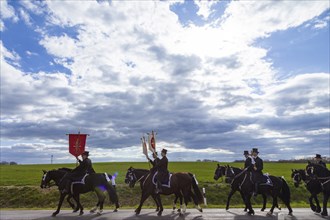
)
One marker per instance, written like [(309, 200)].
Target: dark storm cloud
[(305, 122), (177, 65)]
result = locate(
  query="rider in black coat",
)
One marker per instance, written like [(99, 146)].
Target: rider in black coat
[(155, 161), (257, 168), (85, 166), (163, 173), (319, 160)]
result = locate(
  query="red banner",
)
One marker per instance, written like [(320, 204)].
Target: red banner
[(77, 144), (152, 141)]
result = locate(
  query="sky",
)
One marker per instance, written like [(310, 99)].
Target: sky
[(212, 78)]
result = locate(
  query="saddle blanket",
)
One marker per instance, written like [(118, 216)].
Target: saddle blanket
[(165, 183), (266, 180), (80, 181)]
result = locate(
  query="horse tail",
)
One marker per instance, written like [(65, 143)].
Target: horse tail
[(113, 197), (197, 191), (285, 191)]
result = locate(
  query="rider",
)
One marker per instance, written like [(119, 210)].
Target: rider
[(248, 159), (162, 171), (257, 175), (85, 166), (319, 161), (155, 161)]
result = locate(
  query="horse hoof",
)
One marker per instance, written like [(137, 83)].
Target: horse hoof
[(245, 210), (159, 213), (290, 214), (251, 212), (269, 214), (324, 213), (262, 209), (116, 210), (157, 210), (54, 214), (313, 208), (318, 210), (81, 213), (99, 212)]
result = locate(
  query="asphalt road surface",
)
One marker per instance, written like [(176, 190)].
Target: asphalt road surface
[(148, 214)]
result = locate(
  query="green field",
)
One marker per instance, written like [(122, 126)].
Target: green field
[(20, 184)]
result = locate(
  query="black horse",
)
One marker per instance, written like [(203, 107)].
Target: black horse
[(138, 175), (221, 171), (322, 175), (92, 182), (180, 184), (312, 185), (278, 188)]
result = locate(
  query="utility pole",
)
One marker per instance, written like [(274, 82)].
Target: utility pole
[(51, 159)]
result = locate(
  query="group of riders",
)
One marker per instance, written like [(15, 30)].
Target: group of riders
[(253, 163), (85, 167)]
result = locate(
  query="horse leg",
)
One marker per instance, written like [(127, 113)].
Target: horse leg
[(325, 201), (68, 199), (174, 202), (62, 196), (231, 193), (264, 197), (101, 198), (95, 207), (155, 199), (311, 204), (144, 196), (180, 197), (270, 213), (160, 205), (76, 197), (247, 201), (318, 207)]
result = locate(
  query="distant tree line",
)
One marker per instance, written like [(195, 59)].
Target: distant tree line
[(8, 163)]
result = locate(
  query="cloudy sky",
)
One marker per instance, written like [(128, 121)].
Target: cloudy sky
[(212, 78)]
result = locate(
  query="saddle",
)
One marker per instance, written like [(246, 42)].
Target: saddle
[(166, 182)]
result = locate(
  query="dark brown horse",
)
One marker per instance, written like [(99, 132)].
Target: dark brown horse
[(180, 184)]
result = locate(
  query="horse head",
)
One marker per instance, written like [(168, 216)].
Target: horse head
[(45, 180), (219, 172), (296, 177), (229, 174), (130, 177)]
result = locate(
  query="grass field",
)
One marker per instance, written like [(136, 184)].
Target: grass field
[(19, 184)]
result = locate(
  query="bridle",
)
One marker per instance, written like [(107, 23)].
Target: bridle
[(45, 184)]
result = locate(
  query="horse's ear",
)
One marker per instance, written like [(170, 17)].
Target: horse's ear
[(44, 171), (218, 165)]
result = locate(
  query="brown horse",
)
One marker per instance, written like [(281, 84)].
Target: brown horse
[(180, 184)]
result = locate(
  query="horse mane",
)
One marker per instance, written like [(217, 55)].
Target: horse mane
[(241, 173), (65, 169)]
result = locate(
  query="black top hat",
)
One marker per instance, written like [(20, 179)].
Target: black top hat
[(255, 150), (164, 151), (86, 153), (318, 156), (246, 152)]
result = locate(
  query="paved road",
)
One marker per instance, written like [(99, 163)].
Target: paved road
[(148, 214)]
